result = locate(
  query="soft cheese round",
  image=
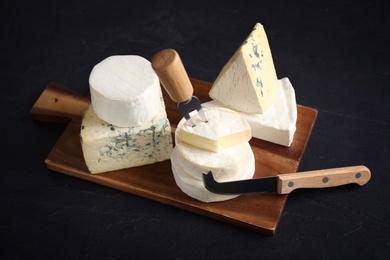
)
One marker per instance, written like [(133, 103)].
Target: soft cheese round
[(194, 187), (226, 164), (224, 128), (125, 90)]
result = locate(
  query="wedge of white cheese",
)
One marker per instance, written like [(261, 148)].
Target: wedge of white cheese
[(125, 90), (278, 123), (248, 82), (188, 162), (107, 147), (224, 128)]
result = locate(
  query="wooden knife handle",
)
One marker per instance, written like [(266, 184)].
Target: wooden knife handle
[(59, 104), (172, 74), (323, 178)]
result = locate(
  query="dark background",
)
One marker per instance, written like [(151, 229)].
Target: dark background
[(336, 54)]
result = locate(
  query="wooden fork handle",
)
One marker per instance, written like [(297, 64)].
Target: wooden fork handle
[(172, 74)]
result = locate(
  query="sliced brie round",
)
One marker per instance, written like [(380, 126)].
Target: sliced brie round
[(194, 187), (125, 90), (226, 164), (224, 128)]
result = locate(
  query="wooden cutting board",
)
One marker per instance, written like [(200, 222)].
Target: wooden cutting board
[(259, 212)]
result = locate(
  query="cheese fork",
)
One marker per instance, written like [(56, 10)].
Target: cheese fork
[(173, 76)]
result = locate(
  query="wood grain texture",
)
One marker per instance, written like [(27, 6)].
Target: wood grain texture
[(323, 178), (259, 212), (172, 74), (58, 104)]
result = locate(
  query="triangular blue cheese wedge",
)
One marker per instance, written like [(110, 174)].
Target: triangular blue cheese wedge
[(248, 82)]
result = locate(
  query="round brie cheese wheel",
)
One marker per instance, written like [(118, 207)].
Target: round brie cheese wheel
[(226, 164), (125, 90), (195, 188), (189, 162), (224, 128)]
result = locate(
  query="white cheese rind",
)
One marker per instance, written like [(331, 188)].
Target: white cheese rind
[(248, 82), (194, 187), (125, 90), (108, 148), (226, 164), (224, 128), (188, 162), (278, 124)]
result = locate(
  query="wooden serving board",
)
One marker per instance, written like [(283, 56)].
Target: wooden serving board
[(259, 212)]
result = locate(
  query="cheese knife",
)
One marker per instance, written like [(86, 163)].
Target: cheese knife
[(173, 76), (286, 183)]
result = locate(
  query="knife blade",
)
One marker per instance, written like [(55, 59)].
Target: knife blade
[(286, 183), (173, 76)]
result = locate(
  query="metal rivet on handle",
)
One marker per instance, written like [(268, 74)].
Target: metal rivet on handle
[(358, 175), (290, 184), (325, 179)]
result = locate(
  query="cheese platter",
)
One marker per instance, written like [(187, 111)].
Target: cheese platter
[(259, 212)]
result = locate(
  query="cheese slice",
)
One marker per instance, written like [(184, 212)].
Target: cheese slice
[(226, 165), (189, 162), (224, 128), (125, 90), (195, 188), (108, 148), (278, 123), (248, 82)]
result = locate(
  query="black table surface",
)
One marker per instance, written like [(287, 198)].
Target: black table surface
[(335, 53)]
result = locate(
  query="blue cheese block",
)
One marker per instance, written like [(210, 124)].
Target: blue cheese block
[(108, 148)]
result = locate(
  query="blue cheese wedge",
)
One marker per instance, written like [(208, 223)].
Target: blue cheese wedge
[(278, 124), (248, 82), (224, 128), (125, 90), (107, 147)]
